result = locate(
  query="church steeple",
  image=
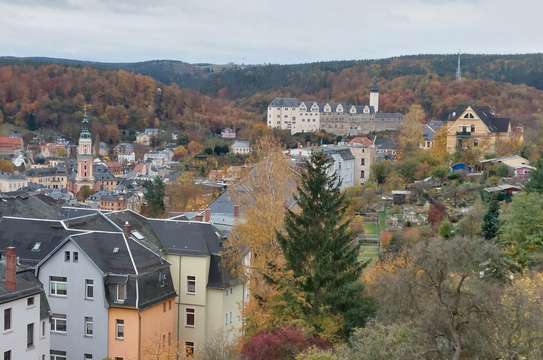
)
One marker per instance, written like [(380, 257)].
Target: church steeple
[(85, 132)]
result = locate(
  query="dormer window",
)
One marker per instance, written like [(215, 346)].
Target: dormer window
[(339, 108), (120, 294), (366, 109), (327, 108), (353, 110)]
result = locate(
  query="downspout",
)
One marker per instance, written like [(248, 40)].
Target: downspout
[(139, 334), (178, 303)]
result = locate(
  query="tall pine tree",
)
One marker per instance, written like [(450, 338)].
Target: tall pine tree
[(321, 252), (491, 220)]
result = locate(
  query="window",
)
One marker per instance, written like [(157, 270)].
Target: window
[(76, 256), (58, 323), (169, 304), (58, 285), (226, 319), (230, 317), (189, 349), (362, 174), (7, 355), (89, 289), (7, 319), (362, 162), (163, 307), (89, 324), (43, 329), (118, 358), (191, 285), (87, 356), (67, 256), (57, 355), (30, 301), (119, 329), (162, 279), (36, 247), (472, 128), (121, 293), (189, 317), (29, 335)]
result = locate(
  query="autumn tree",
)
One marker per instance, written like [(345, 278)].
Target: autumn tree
[(440, 288), (262, 196), (84, 192), (321, 253), (6, 166), (410, 136), (439, 144)]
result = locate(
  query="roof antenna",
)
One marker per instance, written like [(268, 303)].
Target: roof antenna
[(458, 69)]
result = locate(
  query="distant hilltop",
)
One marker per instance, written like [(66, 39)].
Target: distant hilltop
[(245, 80)]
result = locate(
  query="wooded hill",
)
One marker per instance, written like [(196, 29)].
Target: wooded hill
[(52, 96)]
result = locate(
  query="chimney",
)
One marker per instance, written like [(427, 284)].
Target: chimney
[(236, 211), (10, 269), (127, 228), (207, 215)]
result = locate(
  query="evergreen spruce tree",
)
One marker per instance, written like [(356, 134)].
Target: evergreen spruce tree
[(321, 252), (154, 191), (491, 220), (535, 182)]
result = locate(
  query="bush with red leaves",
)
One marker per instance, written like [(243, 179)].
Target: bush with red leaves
[(280, 344)]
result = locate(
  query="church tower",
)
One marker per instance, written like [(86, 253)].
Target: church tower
[(374, 96), (84, 156)]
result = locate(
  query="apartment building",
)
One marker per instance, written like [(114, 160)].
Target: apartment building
[(24, 312), (12, 182), (110, 296), (364, 153), (50, 177)]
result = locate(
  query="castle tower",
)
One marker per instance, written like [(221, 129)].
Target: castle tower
[(84, 156), (374, 96)]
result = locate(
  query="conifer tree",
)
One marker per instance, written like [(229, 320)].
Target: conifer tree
[(535, 182), (154, 191), (321, 253), (491, 220)]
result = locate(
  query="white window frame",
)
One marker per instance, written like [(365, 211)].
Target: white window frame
[(89, 283), (33, 302), (117, 293), (119, 324), (55, 318), (57, 356), (54, 285), (88, 320), (191, 279), (190, 311)]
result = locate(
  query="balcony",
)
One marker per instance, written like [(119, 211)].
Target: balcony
[(463, 135)]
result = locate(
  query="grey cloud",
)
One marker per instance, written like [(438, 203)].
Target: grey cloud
[(260, 31)]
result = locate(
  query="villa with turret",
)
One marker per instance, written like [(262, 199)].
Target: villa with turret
[(340, 119)]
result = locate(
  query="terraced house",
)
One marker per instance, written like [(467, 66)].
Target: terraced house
[(109, 295), (124, 286)]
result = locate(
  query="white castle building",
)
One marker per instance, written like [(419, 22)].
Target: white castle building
[(336, 118)]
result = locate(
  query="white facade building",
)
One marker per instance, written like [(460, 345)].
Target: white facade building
[(24, 313)]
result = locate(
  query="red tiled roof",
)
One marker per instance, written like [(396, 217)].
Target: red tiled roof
[(11, 142), (362, 140)]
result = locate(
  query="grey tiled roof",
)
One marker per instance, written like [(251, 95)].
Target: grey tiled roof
[(26, 284)]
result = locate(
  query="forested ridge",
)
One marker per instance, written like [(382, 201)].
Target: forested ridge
[(199, 100), (53, 96)]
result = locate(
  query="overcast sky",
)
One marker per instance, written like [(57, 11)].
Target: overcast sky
[(264, 31)]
